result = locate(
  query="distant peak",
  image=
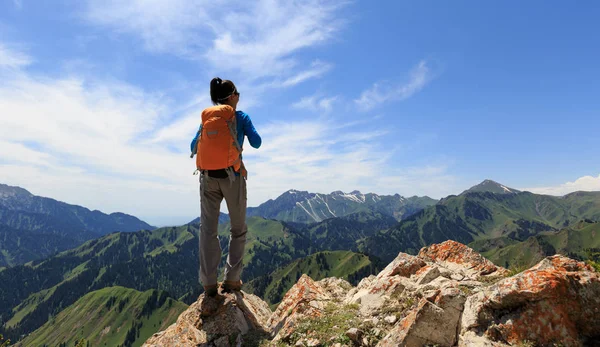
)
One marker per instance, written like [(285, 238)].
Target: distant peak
[(491, 186), (294, 191), (7, 191)]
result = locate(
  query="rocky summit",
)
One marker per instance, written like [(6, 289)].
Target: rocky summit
[(447, 295)]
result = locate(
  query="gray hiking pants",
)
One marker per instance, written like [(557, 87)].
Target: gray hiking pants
[(212, 192)]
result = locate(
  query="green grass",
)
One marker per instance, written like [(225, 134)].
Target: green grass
[(103, 318), (75, 271), (29, 305), (329, 328), (80, 269), (595, 265)]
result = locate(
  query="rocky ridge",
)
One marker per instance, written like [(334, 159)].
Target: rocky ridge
[(447, 295)]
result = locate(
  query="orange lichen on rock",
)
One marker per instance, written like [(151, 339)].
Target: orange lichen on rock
[(304, 300), (558, 300), (404, 265), (457, 253)]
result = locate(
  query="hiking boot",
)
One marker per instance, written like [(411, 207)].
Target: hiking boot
[(229, 286), (211, 290)]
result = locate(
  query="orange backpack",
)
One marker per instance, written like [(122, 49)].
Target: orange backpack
[(218, 147)]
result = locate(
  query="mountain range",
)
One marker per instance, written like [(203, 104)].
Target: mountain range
[(34, 227), (360, 235), (305, 207), (482, 215)]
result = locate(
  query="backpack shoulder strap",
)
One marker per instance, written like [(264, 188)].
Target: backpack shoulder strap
[(233, 131)]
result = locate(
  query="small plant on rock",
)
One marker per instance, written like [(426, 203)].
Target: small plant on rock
[(517, 268), (330, 328)]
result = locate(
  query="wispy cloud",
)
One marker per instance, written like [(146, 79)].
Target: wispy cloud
[(86, 142), (381, 92), (10, 58), (585, 183), (315, 155), (316, 70), (256, 39), (164, 26), (104, 145), (316, 103)]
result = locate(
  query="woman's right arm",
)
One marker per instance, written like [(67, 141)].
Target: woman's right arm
[(253, 136)]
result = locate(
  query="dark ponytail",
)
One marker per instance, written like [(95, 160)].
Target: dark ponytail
[(221, 90)]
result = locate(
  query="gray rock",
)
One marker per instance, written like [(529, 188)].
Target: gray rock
[(429, 274), (390, 319), (427, 324), (371, 303), (354, 334)]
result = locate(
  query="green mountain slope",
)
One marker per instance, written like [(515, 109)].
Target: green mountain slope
[(164, 259), (269, 244), (575, 242), (110, 316), (342, 264), (22, 246), (27, 236), (343, 233), (474, 216)]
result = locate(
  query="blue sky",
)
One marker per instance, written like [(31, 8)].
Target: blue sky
[(99, 99)]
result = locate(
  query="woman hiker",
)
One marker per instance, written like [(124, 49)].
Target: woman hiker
[(222, 175)]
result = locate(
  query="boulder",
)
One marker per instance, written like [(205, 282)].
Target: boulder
[(403, 265), (432, 322), (306, 299), (461, 260), (557, 300), (436, 298), (236, 314)]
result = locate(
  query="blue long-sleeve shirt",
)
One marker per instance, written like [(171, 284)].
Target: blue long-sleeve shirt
[(245, 128)]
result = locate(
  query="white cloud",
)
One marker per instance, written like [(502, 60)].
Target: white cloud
[(380, 93), (110, 146), (13, 59), (164, 26), (585, 183), (256, 39), (315, 103), (104, 146), (94, 144), (317, 69)]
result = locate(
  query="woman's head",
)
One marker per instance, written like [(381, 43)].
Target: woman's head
[(223, 92)]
